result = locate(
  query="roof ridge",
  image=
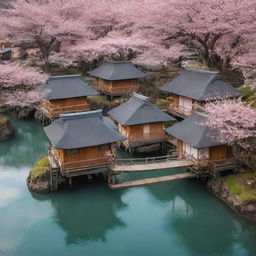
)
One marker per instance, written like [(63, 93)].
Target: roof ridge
[(140, 96), (201, 71), (64, 76), (209, 81), (118, 62), (78, 115), (144, 102)]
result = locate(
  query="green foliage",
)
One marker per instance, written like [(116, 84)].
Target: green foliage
[(162, 102), (238, 187), (58, 71), (252, 100), (247, 91), (99, 100), (41, 165)]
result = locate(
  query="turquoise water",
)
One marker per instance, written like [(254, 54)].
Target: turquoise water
[(176, 218)]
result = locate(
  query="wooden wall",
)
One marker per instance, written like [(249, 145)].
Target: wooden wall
[(70, 105), (69, 102), (138, 129), (215, 153), (116, 87), (97, 154), (220, 152)]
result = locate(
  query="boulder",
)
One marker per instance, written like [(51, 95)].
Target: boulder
[(39, 177), (238, 192), (6, 129)]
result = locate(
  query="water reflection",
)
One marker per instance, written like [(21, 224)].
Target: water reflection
[(27, 145), (202, 221), (86, 214)]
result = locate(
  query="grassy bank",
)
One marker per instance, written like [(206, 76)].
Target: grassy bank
[(242, 185), (41, 165)]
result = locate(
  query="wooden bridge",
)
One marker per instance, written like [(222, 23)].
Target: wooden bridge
[(149, 164)]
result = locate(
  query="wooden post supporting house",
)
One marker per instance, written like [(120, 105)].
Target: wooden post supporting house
[(82, 143), (65, 94), (115, 78), (196, 142), (193, 88), (140, 121)]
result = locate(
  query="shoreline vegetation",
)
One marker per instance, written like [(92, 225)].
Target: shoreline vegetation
[(38, 179), (238, 191)]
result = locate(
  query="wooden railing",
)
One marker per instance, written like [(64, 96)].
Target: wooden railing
[(108, 159), (133, 138), (213, 165), (180, 109), (55, 111), (147, 160), (222, 165), (86, 163)]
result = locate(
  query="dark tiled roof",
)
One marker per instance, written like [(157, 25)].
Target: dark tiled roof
[(192, 132), (85, 129), (200, 85), (5, 50), (69, 86), (117, 70), (138, 110)]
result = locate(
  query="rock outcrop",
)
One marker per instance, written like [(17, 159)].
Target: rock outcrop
[(246, 158), (39, 177), (238, 191), (6, 129)]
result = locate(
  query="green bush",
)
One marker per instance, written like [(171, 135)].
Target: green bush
[(247, 91), (162, 102), (41, 165), (237, 186)]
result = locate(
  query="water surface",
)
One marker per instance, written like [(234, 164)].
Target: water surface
[(175, 218)]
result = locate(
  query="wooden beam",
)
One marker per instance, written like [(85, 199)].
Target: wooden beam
[(142, 182)]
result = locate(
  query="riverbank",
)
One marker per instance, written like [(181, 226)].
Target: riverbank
[(238, 191), (38, 179)]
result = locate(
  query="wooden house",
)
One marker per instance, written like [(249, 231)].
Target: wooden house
[(140, 121), (115, 78), (82, 143), (196, 142), (65, 94), (193, 88)]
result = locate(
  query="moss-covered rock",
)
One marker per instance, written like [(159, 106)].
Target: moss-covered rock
[(39, 176), (238, 191), (6, 129)]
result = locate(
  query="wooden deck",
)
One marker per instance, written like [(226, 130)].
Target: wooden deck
[(142, 167), (142, 182)]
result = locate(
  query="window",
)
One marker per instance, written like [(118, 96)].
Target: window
[(146, 128), (72, 151)]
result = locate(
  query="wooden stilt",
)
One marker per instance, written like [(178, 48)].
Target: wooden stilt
[(70, 182)]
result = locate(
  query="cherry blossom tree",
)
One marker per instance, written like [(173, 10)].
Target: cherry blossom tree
[(46, 24), (16, 74), (233, 121), (216, 29), (17, 84)]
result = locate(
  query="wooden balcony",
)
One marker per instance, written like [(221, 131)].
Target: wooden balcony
[(213, 166), (180, 110), (81, 165), (53, 112), (147, 137)]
